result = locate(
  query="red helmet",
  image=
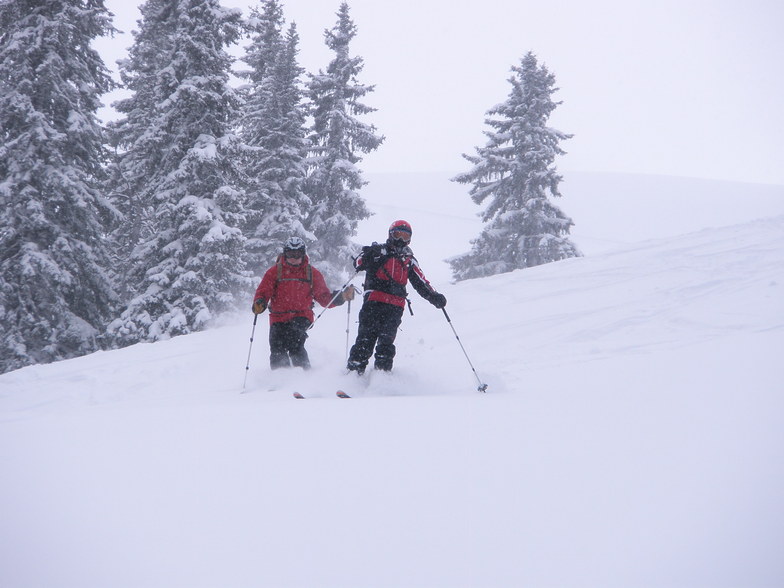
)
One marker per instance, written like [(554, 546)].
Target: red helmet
[(400, 230)]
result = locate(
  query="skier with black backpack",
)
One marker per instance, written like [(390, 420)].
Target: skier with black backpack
[(388, 268), (289, 288)]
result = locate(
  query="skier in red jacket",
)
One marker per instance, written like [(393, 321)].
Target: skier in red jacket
[(389, 267), (288, 288)]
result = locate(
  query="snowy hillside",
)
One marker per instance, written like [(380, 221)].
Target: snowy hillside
[(632, 435), (609, 210)]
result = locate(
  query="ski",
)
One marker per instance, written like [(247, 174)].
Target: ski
[(339, 393)]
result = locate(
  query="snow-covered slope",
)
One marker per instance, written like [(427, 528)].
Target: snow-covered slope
[(632, 435)]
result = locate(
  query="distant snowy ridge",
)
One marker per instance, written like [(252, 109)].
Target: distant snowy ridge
[(610, 211)]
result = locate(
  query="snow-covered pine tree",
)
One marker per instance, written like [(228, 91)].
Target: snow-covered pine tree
[(190, 268), (140, 144), (273, 129), (265, 28), (338, 140), (55, 296), (515, 173)]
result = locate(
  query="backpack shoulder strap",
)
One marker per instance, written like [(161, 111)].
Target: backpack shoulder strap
[(308, 274), (279, 270)]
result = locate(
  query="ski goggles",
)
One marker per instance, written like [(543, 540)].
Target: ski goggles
[(400, 234), (294, 254)]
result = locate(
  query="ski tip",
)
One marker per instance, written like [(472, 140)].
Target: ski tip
[(342, 394), (298, 396)]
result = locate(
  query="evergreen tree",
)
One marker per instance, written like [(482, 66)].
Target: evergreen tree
[(266, 29), (273, 129), (515, 173), (140, 142), (55, 295), (188, 268), (338, 140)]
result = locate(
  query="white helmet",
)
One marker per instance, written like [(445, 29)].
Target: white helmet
[(294, 244)]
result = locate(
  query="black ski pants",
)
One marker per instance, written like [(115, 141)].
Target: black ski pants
[(287, 343), (378, 324)]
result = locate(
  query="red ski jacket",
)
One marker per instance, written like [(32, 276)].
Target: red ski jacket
[(388, 271), (289, 290)]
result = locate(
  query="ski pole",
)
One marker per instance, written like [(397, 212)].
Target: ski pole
[(335, 297), (247, 364), (348, 322), (482, 386)]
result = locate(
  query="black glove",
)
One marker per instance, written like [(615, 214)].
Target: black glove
[(369, 256), (259, 306), (438, 300), (337, 298)]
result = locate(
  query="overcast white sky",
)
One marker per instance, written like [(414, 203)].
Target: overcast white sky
[(666, 87)]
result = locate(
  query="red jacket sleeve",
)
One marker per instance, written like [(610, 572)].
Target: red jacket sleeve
[(267, 285), (321, 293), (420, 283)]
